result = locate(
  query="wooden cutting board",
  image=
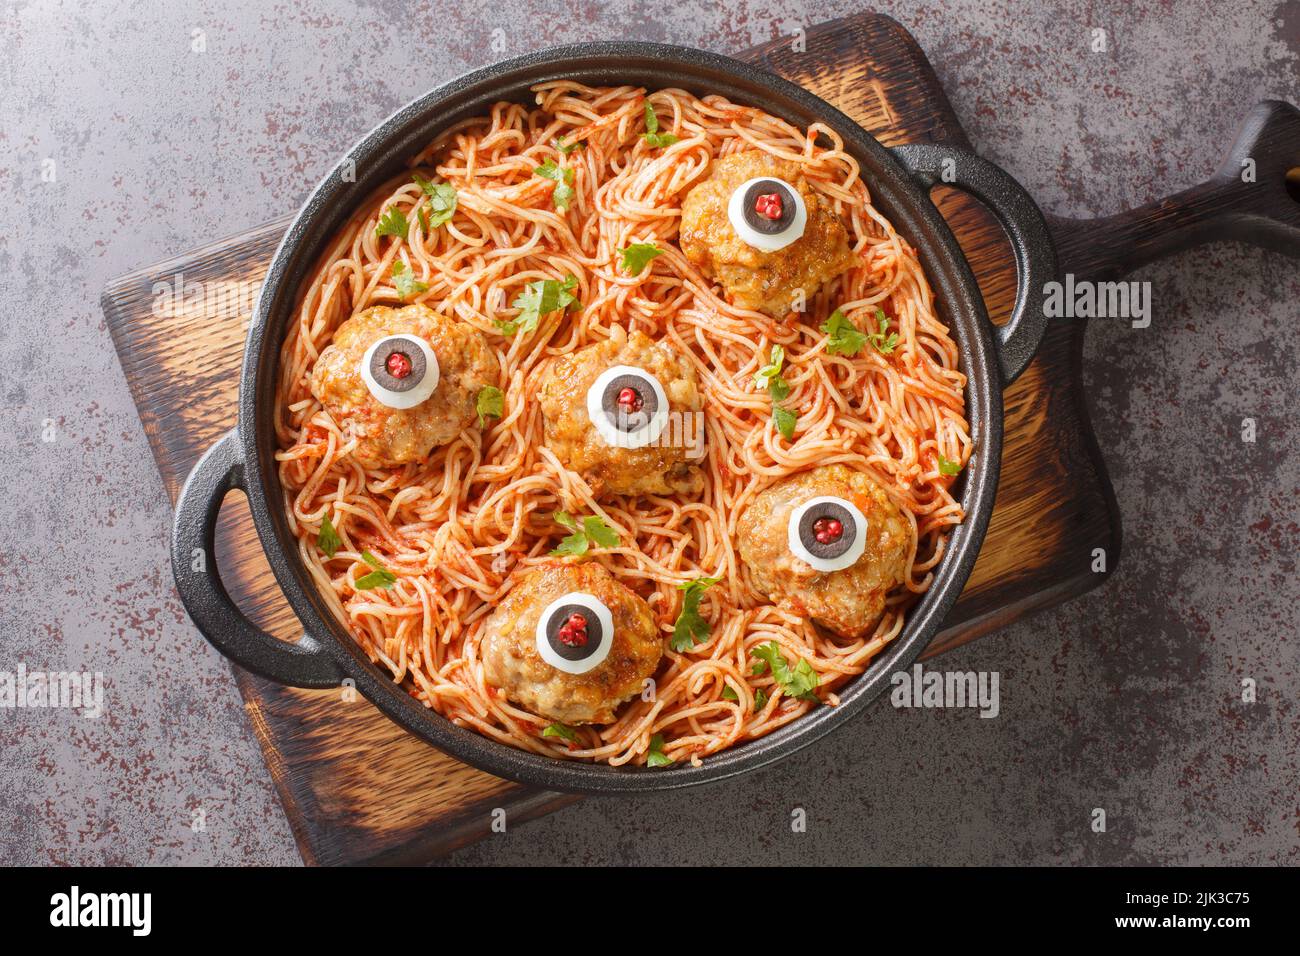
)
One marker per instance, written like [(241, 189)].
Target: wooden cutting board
[(355, 787)]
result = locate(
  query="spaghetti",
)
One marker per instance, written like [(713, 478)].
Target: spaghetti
[(456, 528)]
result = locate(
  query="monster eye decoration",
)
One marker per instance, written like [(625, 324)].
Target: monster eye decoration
[(575, 633), (767, 213), (628, 406), (401, 371), (827, 532)]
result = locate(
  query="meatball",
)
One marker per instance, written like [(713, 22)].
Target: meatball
[(849, 601), (513, 661), (766, 282), (390, 436), (667, 465)]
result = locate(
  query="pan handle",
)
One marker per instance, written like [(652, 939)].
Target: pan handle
[(194, 565), (930, 165)]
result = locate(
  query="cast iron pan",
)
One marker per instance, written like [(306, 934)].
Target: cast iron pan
[(899, 179)]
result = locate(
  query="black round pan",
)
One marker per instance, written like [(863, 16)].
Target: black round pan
[(899, 180)]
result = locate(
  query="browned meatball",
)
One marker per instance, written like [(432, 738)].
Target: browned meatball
[(751, 278), (670, 465), (513, 662), (848, 601), (394, 436)]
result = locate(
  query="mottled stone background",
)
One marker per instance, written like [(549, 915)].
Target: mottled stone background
[(1126, 699)]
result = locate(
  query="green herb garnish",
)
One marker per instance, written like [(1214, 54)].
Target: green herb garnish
[(441, 204), (560, 730), (691, 629), (842, 336), (562, 194), (638, 255), (799, 681), (760, 700), (566, 148), (656, 757), (593, 530), (784, 420), (729, 693), (882, 342), (491, 401), (947, 467), (652, 135), (393, 223), (380, 577), (539, 298), (770, 378), (404, 281), (328, 540)]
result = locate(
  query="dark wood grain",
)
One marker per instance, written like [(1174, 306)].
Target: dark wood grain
[(358, 789)]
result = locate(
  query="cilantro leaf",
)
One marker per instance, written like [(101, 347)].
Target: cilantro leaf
[(491, 401), (539, 298), (729, 692), (638, 255), (404, 281), (567, 148), (799, 681), (691, 629), (328, 540), (655, 756), (592, 531), (441, 204), (560, 730), (882, 342), (947, 467), (843, 337), (381, 577), (562, 194), (393, 223), (760, 699), (652, 135)]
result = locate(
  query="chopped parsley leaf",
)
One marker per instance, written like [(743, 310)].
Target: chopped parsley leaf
[(393, 223), (328, 540), (491, 401), (690, 628), (560, 730), (592, 531), (381, 577), (539, 298), (404, 281), (882, 342), (652, 135), (638, 255), (842, 336), (656, 757), (799, 681), (562, 194), (947, 467), (441, 204), (770, 378)]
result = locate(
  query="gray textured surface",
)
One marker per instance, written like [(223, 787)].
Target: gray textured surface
[(1126, 699)]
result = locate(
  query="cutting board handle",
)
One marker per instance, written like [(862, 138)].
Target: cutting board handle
[(1254, 197)]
